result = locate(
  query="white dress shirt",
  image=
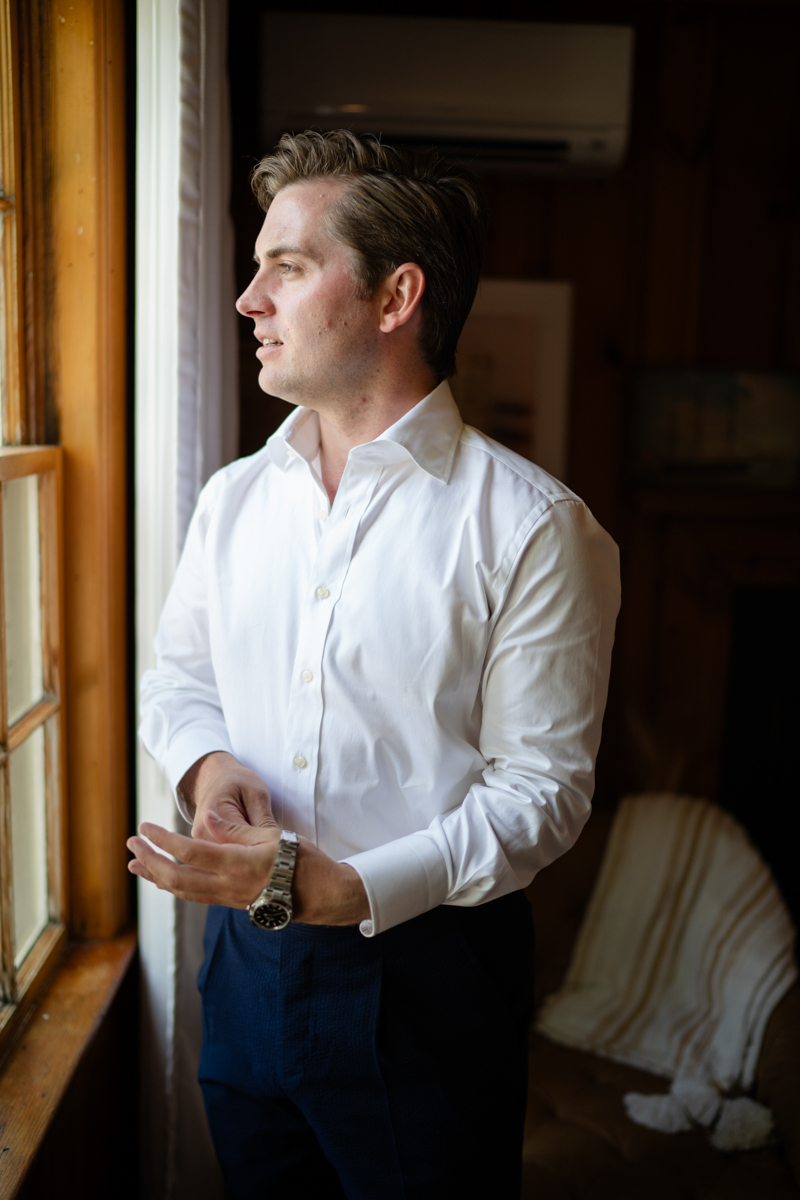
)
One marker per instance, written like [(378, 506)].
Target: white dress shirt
[(418, 672)]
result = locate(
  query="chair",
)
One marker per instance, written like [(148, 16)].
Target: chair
[(579, 1142)]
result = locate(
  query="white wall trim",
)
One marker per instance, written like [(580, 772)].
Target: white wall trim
[(186, 427)]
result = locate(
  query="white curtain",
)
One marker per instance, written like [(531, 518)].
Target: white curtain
[(186, 427)]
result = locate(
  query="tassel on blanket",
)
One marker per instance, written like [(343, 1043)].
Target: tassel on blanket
[(743, 1124)]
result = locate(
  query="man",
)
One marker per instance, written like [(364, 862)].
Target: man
[(381, 676)]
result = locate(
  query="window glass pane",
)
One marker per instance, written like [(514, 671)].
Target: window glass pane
[(22, 582), (26, 782)]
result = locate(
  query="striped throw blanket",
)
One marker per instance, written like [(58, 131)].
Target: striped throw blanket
[(685, 949)]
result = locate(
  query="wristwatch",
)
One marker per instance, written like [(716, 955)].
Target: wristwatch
[(273, 908)]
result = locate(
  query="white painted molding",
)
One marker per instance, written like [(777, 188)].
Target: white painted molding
[(157, 134), (186, 427)]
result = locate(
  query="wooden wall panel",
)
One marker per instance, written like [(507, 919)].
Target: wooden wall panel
[(520, 228), (679, 145), (703, 563), (754, 204), (597, 241), (687, 256)]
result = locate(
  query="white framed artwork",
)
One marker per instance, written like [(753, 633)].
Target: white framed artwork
[(512, 367)]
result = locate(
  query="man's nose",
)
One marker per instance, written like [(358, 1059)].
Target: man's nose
[(254, 301)]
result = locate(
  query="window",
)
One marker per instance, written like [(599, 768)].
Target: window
[(32, 899), (64, 702), (32, 734), (64, 717)]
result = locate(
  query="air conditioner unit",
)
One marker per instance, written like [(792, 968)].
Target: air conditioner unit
[(547, 99)]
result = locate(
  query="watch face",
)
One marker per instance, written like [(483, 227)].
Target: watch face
[(270, 915)]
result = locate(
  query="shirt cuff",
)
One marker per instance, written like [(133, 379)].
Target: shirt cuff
[(184, 751), (402, 879)]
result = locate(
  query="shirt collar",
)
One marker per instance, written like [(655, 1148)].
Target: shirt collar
[(429, 432)]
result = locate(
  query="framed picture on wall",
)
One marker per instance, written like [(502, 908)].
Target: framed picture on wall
[(712, 429), (512, 368)]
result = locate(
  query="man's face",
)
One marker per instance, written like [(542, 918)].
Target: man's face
[(319, 340)]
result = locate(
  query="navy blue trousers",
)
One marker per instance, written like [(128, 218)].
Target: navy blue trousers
[(385, 1068)]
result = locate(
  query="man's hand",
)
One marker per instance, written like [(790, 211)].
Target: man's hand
[(229, 858), (217, 783), (235, 868), (231, 873)]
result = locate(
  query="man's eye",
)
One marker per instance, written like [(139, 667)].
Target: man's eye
[(288, 268)]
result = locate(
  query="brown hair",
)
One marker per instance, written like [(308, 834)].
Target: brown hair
[(400, 206)]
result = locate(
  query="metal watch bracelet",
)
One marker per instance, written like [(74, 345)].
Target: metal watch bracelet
[(273, 908)]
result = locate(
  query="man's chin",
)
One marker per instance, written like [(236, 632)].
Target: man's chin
[(272, 383), (290, 391)]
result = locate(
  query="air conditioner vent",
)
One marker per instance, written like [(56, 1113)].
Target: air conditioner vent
[(503, 95)]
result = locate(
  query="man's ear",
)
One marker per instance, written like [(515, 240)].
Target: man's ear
[(401, 293)]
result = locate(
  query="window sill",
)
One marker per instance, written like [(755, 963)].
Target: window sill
[(41, 1062)]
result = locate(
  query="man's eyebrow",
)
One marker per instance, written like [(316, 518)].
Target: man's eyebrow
[(277, 251)]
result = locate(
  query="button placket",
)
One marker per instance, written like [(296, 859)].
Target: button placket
[(304, 716)]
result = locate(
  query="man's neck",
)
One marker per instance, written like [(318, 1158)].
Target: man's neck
[(361, 422)]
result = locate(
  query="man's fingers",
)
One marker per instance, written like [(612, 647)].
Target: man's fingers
[(199, 828), (258, 806), (221, 856), (174, 843), (137, 868), (156, 863), (230, 871), (232, 832), (232, 808), (179, 878), (227, 808), (202, 854), (189, 883)]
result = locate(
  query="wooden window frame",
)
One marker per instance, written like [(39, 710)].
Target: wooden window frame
[(13, 430), (65, 65), (22, 985)]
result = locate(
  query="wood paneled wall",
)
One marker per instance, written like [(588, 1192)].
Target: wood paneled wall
[(687, 256)]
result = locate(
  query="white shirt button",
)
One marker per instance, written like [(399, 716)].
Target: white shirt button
[(322, 515), (306, 676), (322, 593), (300, 762)]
